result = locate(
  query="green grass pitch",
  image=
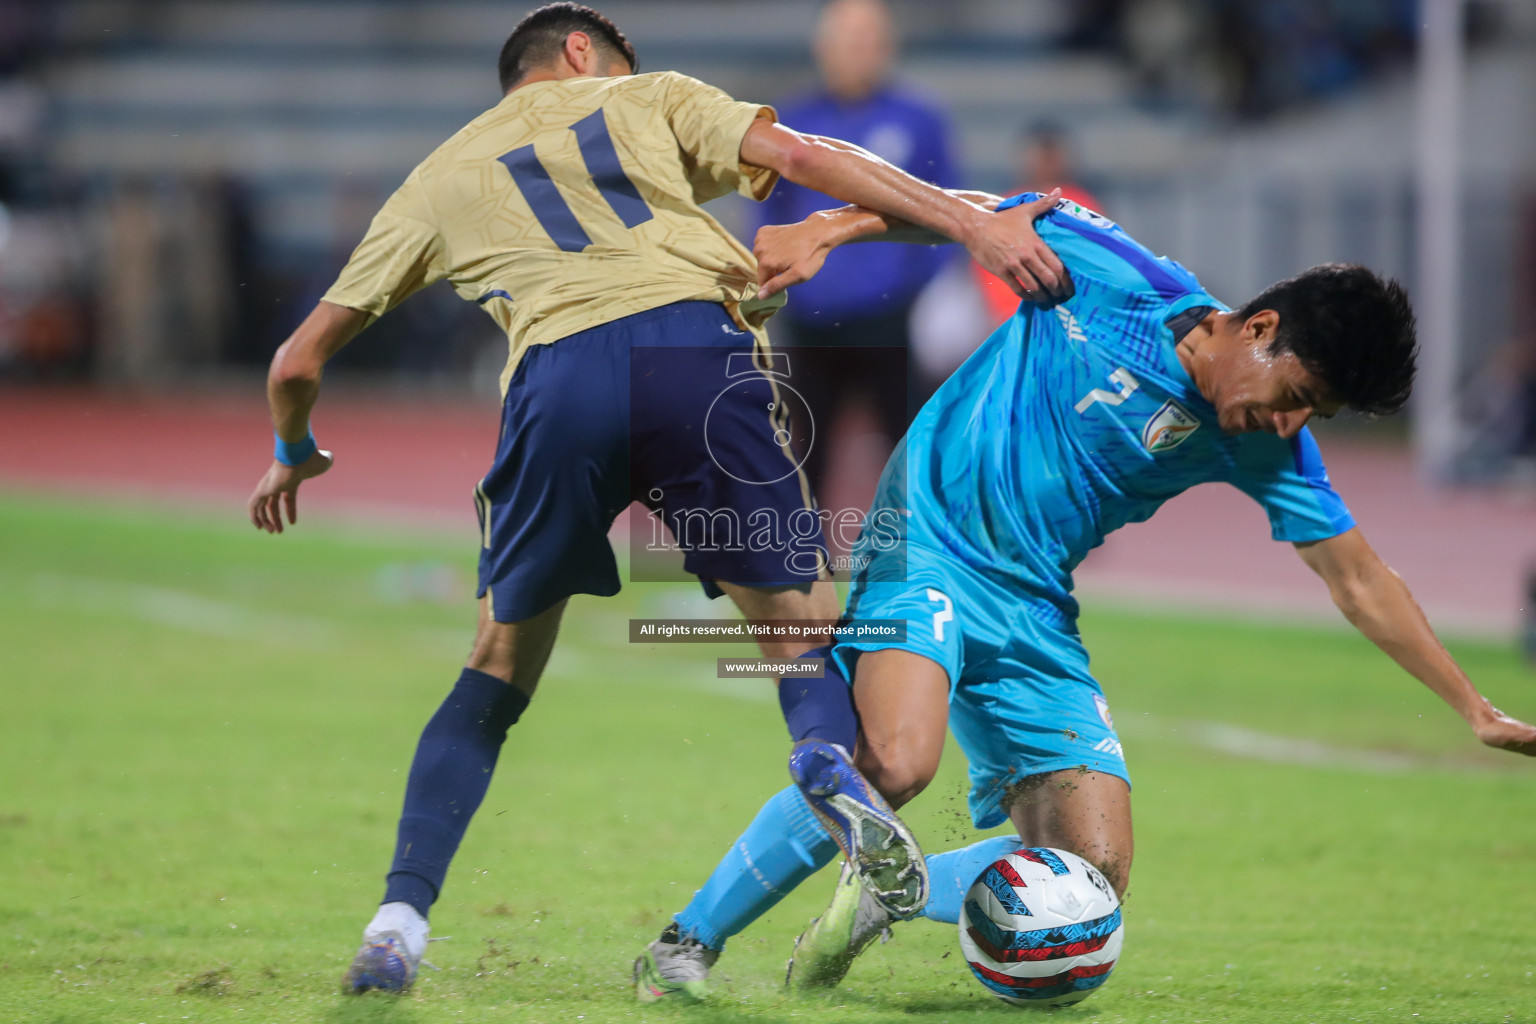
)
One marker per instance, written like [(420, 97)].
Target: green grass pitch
[(205, 733)]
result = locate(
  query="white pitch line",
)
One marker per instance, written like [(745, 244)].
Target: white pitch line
[(195, 613), (178, 609), (228, 620), (671, 671), (1237, 741), (1133, 594), (1257, 746), (188, 612)]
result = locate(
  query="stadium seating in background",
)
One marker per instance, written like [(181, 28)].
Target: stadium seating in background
[(274, 123)]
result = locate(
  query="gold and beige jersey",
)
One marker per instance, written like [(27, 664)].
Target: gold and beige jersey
[(571, 204)]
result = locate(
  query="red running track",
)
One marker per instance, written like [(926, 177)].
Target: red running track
[(412, 461), (415, 462)]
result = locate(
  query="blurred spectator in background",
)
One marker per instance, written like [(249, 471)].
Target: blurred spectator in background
[(1501, 397), (23, 34), (45, 320), (1286, 52), (1251, 57), (864, 295), (168, 286), (1047, 159), (1093, 24), (1524, 441)]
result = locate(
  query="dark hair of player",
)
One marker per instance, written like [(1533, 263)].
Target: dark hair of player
[(1349, 327), (539, 37)]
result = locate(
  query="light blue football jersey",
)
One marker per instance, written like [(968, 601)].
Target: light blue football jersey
[(1069, 422)]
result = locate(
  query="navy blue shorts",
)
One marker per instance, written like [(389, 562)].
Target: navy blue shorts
[(670, 408)]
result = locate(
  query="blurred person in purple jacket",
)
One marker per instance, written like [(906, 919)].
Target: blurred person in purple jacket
[(863, 296)]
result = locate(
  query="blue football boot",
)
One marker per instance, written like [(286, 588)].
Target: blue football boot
[(878, 844), (381, 964)]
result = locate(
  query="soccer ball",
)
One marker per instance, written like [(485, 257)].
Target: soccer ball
[(1041, 927)]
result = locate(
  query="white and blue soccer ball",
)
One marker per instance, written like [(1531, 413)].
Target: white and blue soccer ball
[(1041, 927)]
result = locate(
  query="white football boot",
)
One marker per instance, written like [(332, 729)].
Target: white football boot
[(674, 969), (393, 945)]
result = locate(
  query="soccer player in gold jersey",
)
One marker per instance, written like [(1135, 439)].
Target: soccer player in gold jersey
[(570, 212)]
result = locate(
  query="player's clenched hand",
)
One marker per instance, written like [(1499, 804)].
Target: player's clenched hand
[(1505, 733), (1006, 244), (278, 491), (789, 253)]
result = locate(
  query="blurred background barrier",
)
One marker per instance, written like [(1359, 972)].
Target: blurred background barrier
[(181, 179)]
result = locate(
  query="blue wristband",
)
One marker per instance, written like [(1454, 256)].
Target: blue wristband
[(291, 453)]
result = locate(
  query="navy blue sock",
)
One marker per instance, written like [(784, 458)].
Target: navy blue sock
[(449, 777), (820, 708)]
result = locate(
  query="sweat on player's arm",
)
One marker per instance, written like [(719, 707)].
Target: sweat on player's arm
[(1007, 247), (788, 254), (1379, 604)]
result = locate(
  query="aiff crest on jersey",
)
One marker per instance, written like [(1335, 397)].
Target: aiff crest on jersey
[(1168, 427)]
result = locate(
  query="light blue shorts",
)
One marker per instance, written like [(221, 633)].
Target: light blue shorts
[(1021, 700)]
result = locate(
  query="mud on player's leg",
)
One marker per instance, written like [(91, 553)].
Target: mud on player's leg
[(1079, 810)]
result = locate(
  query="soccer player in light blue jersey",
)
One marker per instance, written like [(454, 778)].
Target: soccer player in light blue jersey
[(1070, 421)]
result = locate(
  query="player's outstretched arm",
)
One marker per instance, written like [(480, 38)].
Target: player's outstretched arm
[(854, 175), (293, 383), (1377, 602), (790, 253)]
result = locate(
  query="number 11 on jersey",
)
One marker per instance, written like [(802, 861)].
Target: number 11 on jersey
[(603, 169)]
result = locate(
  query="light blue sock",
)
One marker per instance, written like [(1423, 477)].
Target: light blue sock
[(783, 846), (952, 873)]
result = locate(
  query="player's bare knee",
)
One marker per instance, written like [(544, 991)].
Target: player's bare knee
[(801, 602), (515, 652), (1114, 865), (899, 772), (785, 650), (492, 654), (1077, 811)]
